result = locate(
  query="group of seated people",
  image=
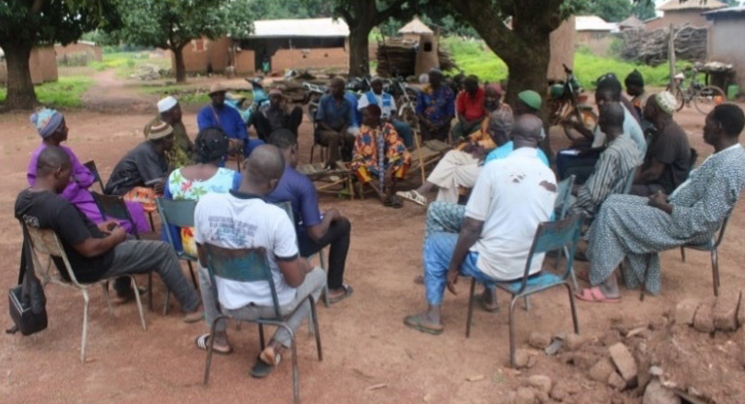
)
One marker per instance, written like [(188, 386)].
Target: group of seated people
[(513, 190)]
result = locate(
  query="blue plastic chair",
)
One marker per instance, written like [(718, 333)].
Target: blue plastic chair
[(563, 192), (178, 213), (550, 236), (251, 265)]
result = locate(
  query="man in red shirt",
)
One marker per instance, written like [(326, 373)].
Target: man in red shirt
[(470, 108)]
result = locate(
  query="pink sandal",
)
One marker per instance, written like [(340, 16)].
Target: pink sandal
[(595, 295)]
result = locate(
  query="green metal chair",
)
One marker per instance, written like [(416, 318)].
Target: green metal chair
[(91, 166), (550, 236), (251, 265), (712, 246)]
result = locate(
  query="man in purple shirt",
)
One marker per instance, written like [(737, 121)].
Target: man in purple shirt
[(314, 230)]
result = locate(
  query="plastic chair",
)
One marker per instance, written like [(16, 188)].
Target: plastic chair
[(549, 236), (91, 166), (251, 265), (287, 207), (46, 242), (180, 214), (563, 192), (711, 245)]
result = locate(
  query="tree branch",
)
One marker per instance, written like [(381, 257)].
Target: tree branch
[(394, 8), (345, 15)]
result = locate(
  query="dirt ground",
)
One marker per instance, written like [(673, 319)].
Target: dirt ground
[(369, 355)]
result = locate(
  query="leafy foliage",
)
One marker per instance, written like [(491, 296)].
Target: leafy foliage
[(64, 93), (609, 10)]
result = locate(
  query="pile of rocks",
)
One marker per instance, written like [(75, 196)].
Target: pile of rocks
[(723, 313), (147, 72)]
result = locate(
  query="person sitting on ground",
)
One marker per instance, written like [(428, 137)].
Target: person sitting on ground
[(635, 89), (615, 164), (435, 108), (314, 230), (668, 158), (140, 175), (461, 167), (637, 228), (387, 104), (169, 111), (207, 175), (276, 115), (218, 115), (242, 219), (501, 219), (580, 161), (380, 152), (469, 106), (97, 251), (53, 130), (335, 119)]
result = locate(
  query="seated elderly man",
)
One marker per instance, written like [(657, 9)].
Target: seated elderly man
[(242, 219), (97, 251), (169, 111), (379, 152), (276, 115), (469, 106), (638, 228), (336, 123), (616, 163), (217, 114), (435, 108), (387, 105), (511, 198)]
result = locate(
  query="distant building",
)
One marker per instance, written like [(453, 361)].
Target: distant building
[(41, 63), (594, 33), (87, 48), (414, 29), (680, 13), (631, 23), (281, 44), (726, 39)]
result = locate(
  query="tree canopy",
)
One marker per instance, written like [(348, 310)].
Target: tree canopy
[(610, 10)]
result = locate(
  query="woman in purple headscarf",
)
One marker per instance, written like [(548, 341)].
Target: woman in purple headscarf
[(53, 131)]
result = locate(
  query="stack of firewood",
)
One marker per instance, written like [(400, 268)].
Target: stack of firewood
[(651, 47), (397, 56)]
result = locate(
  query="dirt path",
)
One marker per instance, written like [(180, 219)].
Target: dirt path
[(111, 94)]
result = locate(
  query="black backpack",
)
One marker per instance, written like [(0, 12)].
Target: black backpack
[(27, 303)]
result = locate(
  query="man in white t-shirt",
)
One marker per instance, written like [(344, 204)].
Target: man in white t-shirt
[(512, 196), (242, 219)]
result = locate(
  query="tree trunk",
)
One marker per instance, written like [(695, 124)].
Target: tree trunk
[(21, 93), (359, 63), (180, 72)]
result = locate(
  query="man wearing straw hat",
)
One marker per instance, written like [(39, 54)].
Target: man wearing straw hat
[(218, 115), (169, 111)]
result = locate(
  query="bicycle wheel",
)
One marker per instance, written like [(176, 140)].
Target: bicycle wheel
[(708, 98), (679, 99)]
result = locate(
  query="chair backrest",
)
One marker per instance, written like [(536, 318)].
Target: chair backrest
[(91, 166), (179, 213), (287, 207), (46, 242), (114, 207), (552, 236), (720, 236), (563, 190), (240, 265)]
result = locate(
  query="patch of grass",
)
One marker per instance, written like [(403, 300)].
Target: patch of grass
[(187, 94), (65, 93), (126, 63)]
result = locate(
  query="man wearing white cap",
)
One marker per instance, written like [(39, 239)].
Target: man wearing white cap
[(218, 115), (169, 111), (668, 157)]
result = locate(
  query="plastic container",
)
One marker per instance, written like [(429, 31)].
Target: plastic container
[(732, 91)]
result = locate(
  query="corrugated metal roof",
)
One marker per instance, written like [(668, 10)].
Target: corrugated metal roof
[(592, 23), (311, 27), (674, 5), (415, 26), (725, 11)]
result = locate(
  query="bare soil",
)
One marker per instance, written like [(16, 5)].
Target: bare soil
[(369, 355)]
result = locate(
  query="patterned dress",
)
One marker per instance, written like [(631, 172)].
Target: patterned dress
[(627, 227), (378, 149)]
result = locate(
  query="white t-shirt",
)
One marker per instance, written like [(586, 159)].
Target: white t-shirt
[(512, 196), (363, 102), (234, 220)]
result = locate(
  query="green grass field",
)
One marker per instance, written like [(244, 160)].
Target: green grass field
[(126, 63), (474, 57), (65, 93)]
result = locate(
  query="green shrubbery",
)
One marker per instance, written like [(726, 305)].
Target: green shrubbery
[(65, 93)]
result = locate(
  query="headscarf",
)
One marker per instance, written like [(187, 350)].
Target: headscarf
[(211, 144), (666, 101), (46, 121), (501, 121)]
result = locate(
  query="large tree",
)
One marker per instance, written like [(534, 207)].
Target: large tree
[(27, 23), (172, 24), (610, 10), (362, 16)]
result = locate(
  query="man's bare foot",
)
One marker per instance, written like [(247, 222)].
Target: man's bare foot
[(424, 322)]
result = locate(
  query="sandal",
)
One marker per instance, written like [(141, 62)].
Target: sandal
[(393, 202), (265, 364), (485, 306), (413, 196), (202, 343), (595, 295), (348, 290), (414, 322)]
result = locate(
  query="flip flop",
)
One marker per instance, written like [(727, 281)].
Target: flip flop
[(348, 290), (595, 295), (413, 196), (413, 322), (202, 343), (262, 369), (393, 202), (489, 309)]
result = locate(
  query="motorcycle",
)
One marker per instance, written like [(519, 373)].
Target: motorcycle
[(567, 101)]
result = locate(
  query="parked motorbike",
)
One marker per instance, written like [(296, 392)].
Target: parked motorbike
[(567, 101)]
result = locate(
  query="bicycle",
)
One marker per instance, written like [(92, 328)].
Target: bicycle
[(703, 97)]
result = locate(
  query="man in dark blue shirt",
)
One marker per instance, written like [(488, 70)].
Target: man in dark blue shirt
[(314, 230), (336, 123), (219, 115)]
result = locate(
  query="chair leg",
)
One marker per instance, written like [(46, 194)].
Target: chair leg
[(208, 362), (314, 319), (262, 342), (571, 271), (85, 326), (715, 271), (193, 278), (527, 303), (152, 224), (150, 290), (683, 253), (106, 297), (512, 331), (139, 302), (470, 308), (293, 347), (574, 308), (322, 259), (312, 149), (165, 303)]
